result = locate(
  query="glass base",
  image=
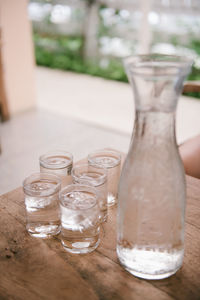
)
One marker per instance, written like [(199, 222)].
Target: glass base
[(150, 276), (80, 247), (43, 231), (150, 264)]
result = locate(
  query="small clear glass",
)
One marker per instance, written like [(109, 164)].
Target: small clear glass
[(110, 160), (97, 177), (80, 222), (41, 192), (59, 163)]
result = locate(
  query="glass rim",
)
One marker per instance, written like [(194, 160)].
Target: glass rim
[(55, 152), (101, 153), (74, 186), (79, 166), (136, 63), (39, 176)]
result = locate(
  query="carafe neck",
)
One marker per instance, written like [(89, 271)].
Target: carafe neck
[(155, 127), (157, 80)]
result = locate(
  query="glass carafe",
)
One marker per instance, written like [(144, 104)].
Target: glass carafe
[(150, 233)]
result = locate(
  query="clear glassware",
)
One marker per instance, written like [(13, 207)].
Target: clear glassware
[(57, 162), (42, 205), (80, 222), (110, 160), (151, 208), (97, 177)]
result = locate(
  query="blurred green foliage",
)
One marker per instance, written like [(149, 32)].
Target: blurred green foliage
[(195, 73), (66, 53)]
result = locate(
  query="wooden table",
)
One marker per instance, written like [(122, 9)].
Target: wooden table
[(33, 268)]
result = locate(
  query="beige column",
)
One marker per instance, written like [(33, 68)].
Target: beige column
[(17, 55)]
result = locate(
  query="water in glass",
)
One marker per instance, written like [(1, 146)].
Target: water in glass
[(111, 161), (57, 162), (80, 222), (42, 207), (97, 177)]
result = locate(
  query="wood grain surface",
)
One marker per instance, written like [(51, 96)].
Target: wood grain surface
[(32, 268)]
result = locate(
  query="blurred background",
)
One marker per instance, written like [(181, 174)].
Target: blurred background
[(92, 36), (62, 81)]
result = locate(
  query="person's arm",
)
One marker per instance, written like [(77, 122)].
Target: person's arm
[(190, 154)]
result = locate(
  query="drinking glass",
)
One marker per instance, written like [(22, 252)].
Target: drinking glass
[(42, 206), (59, 163), (80, 222), (110, 160), (97, 177)]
